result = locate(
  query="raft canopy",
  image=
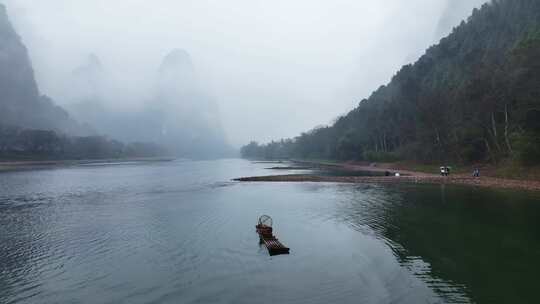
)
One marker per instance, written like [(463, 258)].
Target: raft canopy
[(265, 220)]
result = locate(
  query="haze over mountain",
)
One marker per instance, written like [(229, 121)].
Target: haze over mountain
[(279, 67), (179, 115), (21, 103), (179, 119), (186, 110), (88, 81)]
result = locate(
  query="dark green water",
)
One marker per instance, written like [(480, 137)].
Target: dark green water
[(183, 233)]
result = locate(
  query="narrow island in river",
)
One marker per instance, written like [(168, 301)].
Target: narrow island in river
[(386, 174)]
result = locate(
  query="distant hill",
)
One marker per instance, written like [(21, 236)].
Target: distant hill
[(180, 115), (21, 103), (190, 121), (473, 97), (31, 125)]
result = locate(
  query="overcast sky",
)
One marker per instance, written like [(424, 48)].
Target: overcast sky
[(276, 68)]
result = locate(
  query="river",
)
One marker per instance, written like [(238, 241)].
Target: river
[(183, 232)]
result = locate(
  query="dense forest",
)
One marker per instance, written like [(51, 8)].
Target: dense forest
[(474, 97)]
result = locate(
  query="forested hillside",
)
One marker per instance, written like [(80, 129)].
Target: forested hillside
[(473, 97)]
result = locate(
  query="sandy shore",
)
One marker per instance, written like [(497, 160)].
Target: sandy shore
[(8, 166), (407, 177)]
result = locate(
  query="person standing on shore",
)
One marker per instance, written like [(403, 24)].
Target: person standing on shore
[(445, 171)]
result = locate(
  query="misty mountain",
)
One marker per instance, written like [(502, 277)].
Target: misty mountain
[(86, 93), (179, 115), (473, 97), (88, 80), (21, 103), (189, 116), (33, 127)]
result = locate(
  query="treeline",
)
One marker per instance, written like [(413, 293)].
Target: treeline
[(473, 97), (19, 143)]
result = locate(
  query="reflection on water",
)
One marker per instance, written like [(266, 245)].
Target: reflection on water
[(463, 242), (181, 232)]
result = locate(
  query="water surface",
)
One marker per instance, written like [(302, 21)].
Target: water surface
[(182, 232)]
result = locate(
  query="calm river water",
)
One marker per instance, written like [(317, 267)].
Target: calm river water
[(182, 232)]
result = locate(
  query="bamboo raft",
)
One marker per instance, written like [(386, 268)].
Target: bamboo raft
[(264, 229)]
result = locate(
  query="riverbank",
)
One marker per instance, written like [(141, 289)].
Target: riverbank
[(407, 176), (486, 182), (23, 165)]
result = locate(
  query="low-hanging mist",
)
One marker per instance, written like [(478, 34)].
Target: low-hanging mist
[(273, 69), (178, 115)]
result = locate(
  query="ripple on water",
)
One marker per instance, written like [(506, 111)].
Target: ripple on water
[(177, 234)]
